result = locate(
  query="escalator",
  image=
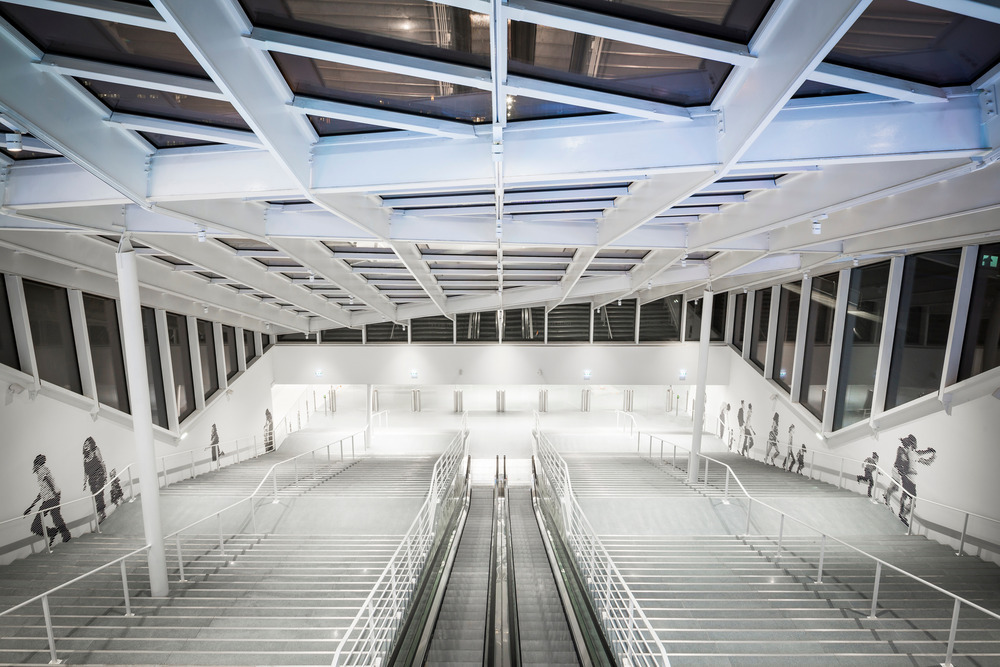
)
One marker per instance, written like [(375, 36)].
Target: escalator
[(543, 631), (460, 630), (489, 596)]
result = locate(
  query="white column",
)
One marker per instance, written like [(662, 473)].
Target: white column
[(368, 416), (699, 397), (142, 418)]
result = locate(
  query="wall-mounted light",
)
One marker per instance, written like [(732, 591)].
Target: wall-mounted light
[(14, 142), (202, 236), (684, 261), (184, 435), (204, 309), (817, 227), (414, 374), (683, 374), (312, 277), (319, 372), (619, 302), (586, 374)]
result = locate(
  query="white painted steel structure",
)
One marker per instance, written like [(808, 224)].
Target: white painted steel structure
[(896, 165)]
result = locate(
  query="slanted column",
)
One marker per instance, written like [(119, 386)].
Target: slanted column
[(142, 418), (702, 379)]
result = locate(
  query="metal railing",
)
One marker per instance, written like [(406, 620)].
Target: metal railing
[(370, 637), (626, 627), (176, 535), (881, 481), (824, 538), (626, 422), (44, 598), (380, 419), (91, 515)]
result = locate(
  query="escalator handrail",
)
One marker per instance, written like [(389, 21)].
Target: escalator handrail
[(514, 642)]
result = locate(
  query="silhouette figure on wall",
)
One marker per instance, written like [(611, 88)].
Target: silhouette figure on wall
[(268, 432), (49, 494), (789, 460), (217, 452), (903, 472), (801, 459), (95, 474), (748, 432), (739, 422), (870, 463), (117, 497), (722, 420), (772, 442)]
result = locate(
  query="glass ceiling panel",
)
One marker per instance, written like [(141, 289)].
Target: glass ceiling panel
[(817, 89), (330, 127), (70, 35), (167, 141), (520, 107), (383, 90), (611, 66), (414, 27), (919, 43), (25, 154), (734, 20), (173, 106)]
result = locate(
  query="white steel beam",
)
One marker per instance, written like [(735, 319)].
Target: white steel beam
[(877, 84), (382, 118), (177, 128), (128, 13), (985, 10), (593, 99), (631, 32), (58, 112), (369, 58), (130, 76)]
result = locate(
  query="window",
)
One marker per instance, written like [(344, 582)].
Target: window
[(739, 317), (819, 334), (229, 351), (267, 340), (8, 343), (523, 325), (758, 329), (614, 323), (52, 335), (180, 361), (433, 329), (249, 349), (922, 324), (659, 320), (209, 369), (106, 351), (788, 323), (692, 320), (343, 335), (862, 334), (981, 348), (385, 332), (476, 327), (154, 371), (719, 317)]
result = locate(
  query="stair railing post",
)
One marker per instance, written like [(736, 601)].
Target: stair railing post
[(812, 462), (822, 554), (165, 468), (725, 498), (674, 462), (840, 475), (878, 577), (253, 515), (341, 449), (706, 472), (237, 450), (952, 632), (255, 446), (180, 559), (128, 602), (131, 486), (661, 450), (295, 465), (222, 544), (328, 459), (274, 481), (909, 521), (749, 507), (97, 518), (961, 542), (781, 534), (352, 446), (48, 631)]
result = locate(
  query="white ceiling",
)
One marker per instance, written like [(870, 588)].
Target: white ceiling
[(643, 200)]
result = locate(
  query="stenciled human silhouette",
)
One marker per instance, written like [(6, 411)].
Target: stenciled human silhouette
[(49, 494), (95, 474), (268, 432)]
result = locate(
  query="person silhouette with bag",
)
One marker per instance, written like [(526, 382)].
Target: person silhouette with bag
[(49, 494)]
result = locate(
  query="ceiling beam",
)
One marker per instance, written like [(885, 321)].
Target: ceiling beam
[(382, 118), (130, 76), (177, 128), (127, 13), (67, 118), (985, 10), (877, 84)]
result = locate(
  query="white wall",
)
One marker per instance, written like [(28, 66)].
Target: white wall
[(496, 365), (56, 429), (963, 474)]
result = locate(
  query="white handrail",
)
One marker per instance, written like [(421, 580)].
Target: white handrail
[(44, 597), (879, 563), (881, 473), (373, 629), (626, 422), (626, 625), (380, 418)]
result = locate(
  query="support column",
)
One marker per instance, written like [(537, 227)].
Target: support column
[(368, 416), (142, 418), (699, 397)]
